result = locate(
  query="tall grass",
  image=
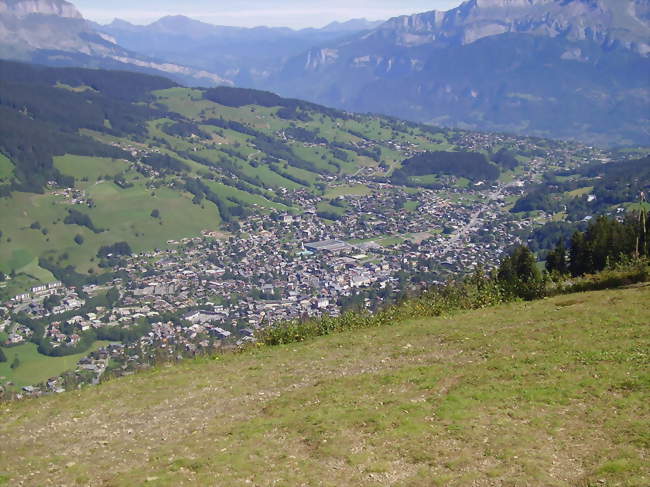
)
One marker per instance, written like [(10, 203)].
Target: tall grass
[(472, 293)]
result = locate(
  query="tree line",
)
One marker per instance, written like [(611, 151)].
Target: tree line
[(605, 242), (39, 120), (471, 165)]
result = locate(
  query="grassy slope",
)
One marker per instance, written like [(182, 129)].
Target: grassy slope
[(6, 168), (547, 393), (124, 212)]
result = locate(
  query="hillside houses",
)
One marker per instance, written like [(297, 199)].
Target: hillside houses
[(204, 292)]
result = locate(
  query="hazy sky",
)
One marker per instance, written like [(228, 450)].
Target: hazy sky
[(250, 13)]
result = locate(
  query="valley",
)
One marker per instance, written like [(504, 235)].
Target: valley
[(209, 206), (572, 70), (412, 251)]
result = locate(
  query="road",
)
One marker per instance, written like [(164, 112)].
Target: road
[(459, 235)]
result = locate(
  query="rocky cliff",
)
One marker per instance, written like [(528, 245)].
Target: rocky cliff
[(603, 21), (558, 68), (23, 8)]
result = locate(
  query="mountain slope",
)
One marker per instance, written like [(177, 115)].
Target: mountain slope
[(563, 69), (552, 392), (54, 32), (89, 157)]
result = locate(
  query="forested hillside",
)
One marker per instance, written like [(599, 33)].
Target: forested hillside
[(572, 199)]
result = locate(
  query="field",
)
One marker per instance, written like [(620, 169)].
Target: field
[(124, 214), (550, 393), (580, 192), (357, 190), (6, 168), (34, 367), (89, 168)]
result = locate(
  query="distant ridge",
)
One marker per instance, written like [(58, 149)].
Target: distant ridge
[(556, 68), (54, 32), (247, 56)]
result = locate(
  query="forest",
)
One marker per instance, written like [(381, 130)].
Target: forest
[(605, 243), (239, 97), (612, 183), (41, 115), (471, 165)]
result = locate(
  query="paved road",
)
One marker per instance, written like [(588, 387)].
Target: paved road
[(459, 235)]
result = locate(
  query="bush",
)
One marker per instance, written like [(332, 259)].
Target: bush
[(120, 248), (75, 217), (474, 292), (624, 275)]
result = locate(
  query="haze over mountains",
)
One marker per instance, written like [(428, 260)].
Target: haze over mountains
[(574, 68), (566, 69), (246, 56), (53, 32)]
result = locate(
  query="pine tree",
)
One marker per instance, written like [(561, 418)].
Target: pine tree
[(520, 276), (579, 256), (563, 261)]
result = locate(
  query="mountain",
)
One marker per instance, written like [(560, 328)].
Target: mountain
[(570, 68), (552, 392), (353, 25), (54, 32), (607, 22), (248, 56)]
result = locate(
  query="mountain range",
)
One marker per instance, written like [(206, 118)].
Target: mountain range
[(570, 68), (246, 56), (53, 32), (576, 69)]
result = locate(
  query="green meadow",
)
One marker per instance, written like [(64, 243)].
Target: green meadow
[(6, 168), (34, 367)]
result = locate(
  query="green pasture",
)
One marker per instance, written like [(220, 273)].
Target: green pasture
[(35, 367), (6, 168)]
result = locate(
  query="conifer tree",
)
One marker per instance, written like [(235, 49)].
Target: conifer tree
[(557, 259), (519, 275)]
